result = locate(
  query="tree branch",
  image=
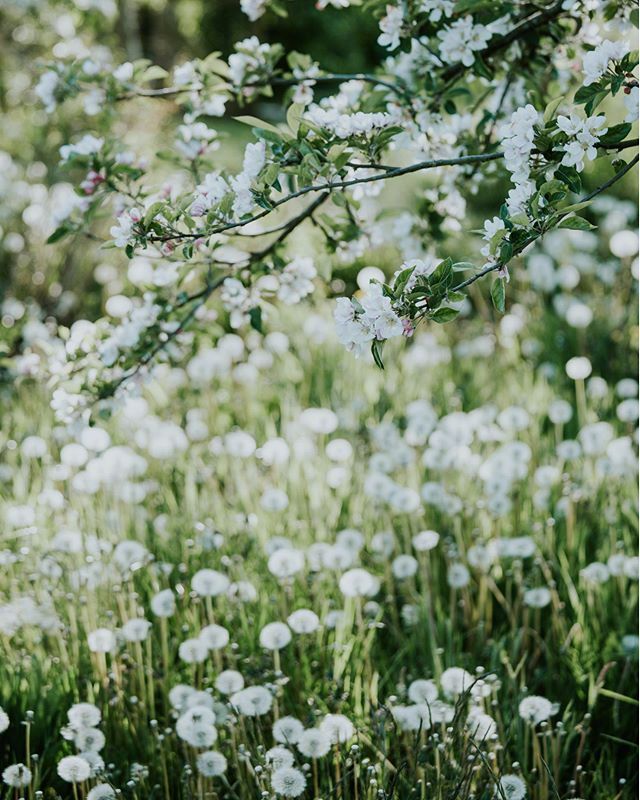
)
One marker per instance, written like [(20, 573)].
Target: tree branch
[(590, 196), (199, 299), (393, 172)]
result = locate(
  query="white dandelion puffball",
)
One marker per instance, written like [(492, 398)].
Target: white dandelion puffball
[(511, 787), (319, 420), (193, 651), (136, 630), (425, 540), (209, 583), (288, 782), (338, 728), (458, 576), (535, 709), (17, 775), (279, 758), (285, 562), (91, 739), (578, 368), (314, 743), (84, 715), (211, 763), (163, 604), (102, 791), (254, 701), (481, 725), (423, 691), (215, 637), (102, 640), (275, 636), (359, 583), (229, 681), (196, 727), (287, 730), (537, 598), (74, 769), (404, 566), (4, 720), (303, 621), (456, 681)]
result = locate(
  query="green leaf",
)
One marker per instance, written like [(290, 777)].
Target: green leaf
[(294, 117), (576, 223), (58, 234), (442, 315), (506, 251), (552, 107), (586, 93), (576, 206), (571, 177), (442, 274), (151, 212), (376, 352), (401, 281), (154, 73), (255, 318), (498, 294), (254, 122), (615, 134)]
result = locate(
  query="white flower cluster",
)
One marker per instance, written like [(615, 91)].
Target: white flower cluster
[(584, 134), (208, 102), (391, 27), (296, 280), (344, 125), (123, 228), (87, 146), (254, 160), (250, 60), (516, 137), (82, 729), (596, 61), (196, 139), (291, 285), (436, 9), (254, 9), (46, 90), (127, 334), (373, 318), (460, 40), (209, 193)]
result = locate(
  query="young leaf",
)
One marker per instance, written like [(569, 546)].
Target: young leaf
[(376, 352), (498, 294), (254, 122), (576, 223), (58, 234), (444, 314), (294, 117)]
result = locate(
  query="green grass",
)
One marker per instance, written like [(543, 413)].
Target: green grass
[(570, 652)]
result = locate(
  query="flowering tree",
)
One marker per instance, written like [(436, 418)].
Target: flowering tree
[(467, 92)]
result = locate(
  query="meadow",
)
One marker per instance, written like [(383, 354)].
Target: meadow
[(238, 562), (282, 572)]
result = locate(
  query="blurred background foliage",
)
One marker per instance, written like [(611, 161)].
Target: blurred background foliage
[(70, 280)]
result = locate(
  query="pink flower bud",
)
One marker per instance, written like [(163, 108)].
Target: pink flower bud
[(407, 328)]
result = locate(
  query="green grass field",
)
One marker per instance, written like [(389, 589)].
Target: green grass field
[(284, 465)]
